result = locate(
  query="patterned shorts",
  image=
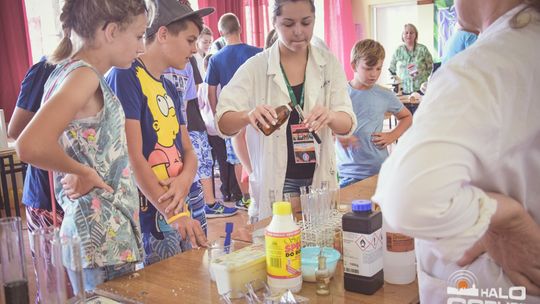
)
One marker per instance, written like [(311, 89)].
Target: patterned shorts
[(202, 148), (40, 218), (231, 156), (162, 245)]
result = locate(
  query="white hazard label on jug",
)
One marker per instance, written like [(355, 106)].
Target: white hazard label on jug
[(362, 253)]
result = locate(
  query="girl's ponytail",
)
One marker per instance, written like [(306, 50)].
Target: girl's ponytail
[(64, 48)]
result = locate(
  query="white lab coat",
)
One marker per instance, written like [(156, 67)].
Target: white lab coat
[(260, 81), (477, 129)]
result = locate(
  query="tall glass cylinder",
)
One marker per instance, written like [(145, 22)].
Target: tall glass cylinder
[(12, 258), (72, 257), (51, 278)]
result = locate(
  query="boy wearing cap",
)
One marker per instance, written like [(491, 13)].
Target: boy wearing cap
[(160, 151)]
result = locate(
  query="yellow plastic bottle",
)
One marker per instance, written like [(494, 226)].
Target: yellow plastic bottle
[(283, 250)]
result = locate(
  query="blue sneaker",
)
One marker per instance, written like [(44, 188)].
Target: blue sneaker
[(219, 210), (243, 204)]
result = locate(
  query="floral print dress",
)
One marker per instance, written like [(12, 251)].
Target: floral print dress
[(413, 67), (107, 223)]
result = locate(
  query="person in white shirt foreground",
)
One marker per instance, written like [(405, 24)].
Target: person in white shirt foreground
[(464, 180)]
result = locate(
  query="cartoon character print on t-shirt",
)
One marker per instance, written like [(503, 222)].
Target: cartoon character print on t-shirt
[(165, 159)]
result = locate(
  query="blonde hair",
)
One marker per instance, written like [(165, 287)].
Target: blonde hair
[(369, 50), (229, 24), (83, 17), (414, 29)]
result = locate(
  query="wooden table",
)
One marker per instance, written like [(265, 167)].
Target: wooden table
[(184, 279), (363, 189)]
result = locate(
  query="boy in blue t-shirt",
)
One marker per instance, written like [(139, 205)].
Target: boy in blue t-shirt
[(362, 154), (160, 151), (221, 69), (184, 81), (36, 190)]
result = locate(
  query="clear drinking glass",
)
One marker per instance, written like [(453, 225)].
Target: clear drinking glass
[(12, 259)]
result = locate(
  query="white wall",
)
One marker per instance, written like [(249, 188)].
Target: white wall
[(387, 22)]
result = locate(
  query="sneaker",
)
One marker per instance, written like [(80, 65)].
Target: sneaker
[(219, 210), (243, 204)]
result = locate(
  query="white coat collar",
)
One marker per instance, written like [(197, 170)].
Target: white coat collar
[(315, 76)]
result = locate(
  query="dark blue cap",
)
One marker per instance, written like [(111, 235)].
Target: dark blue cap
[(361, 205)]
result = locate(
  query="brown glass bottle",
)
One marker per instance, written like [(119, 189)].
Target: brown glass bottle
[(283, 113)]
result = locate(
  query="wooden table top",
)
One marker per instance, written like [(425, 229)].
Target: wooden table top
[(184, 278), (363, 189)]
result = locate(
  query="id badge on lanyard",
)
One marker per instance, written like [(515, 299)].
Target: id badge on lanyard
[(302, 139), (303, 144)]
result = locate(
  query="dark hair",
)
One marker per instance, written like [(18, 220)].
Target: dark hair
[(84, 16), (179, 25), (229, 24), (278, 4), (206, 60), (271, 37), (520, 20), (369, 50)]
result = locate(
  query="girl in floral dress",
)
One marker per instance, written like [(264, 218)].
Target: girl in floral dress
[(79, 134)]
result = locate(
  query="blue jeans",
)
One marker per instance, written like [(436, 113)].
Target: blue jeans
[(92, 277), (293, 185)]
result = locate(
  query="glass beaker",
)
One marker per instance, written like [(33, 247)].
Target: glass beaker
[(12, 259)]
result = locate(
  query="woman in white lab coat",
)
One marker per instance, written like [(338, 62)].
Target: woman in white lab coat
[(464, 178), (291, 70)]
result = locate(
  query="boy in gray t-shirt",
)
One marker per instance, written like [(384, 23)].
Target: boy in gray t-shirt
[(362, 154)]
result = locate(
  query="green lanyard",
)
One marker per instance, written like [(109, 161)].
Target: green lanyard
[(292, 96)]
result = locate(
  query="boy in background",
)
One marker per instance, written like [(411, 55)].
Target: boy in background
[(160, 150), (362, 154), (221, 69)]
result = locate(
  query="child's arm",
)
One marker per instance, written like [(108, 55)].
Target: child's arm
[(144, 175), (383, 139), (179, 185), (152, 188), (38, 143), (19, 120), (212, 97)]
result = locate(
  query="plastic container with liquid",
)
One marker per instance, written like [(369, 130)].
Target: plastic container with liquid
[(399, 259), (233, 271), (283, 250), (362, 248)]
